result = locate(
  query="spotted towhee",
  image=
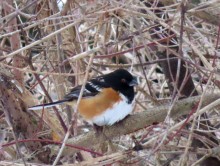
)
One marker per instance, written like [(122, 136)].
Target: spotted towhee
[(106, 99)]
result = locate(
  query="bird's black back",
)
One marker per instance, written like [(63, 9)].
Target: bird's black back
[(118, 80)]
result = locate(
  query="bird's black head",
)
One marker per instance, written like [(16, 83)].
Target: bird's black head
[(121, 80)]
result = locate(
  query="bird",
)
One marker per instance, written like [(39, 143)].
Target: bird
[(106, 99)]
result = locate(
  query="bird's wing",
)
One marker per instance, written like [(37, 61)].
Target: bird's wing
[(92, 88)]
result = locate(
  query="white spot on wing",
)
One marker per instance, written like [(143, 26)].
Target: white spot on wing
[(101, 80), (87, 91), (96, 87), (72, 95), (118, 112)]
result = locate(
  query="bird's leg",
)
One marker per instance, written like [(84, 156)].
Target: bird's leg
[(107, 146), (98, 129)]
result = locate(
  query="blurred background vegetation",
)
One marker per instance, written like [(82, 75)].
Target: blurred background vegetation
[(47, 47)]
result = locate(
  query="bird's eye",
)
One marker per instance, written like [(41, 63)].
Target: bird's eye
[(123, 80)]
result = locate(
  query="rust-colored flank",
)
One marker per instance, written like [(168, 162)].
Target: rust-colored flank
[(96, 105)]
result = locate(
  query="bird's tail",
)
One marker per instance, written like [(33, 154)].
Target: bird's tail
[(47, 105)]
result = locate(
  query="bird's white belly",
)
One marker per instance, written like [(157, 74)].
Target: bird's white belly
[(118, 112)]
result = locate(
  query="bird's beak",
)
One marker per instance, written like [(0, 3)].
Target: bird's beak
[(135, 81)]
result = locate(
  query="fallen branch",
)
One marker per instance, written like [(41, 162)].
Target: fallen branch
[(139, 121)]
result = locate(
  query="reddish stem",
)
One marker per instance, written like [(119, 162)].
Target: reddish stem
[(51, 142)]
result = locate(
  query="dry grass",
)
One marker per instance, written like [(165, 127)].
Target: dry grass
[(46, 48)]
